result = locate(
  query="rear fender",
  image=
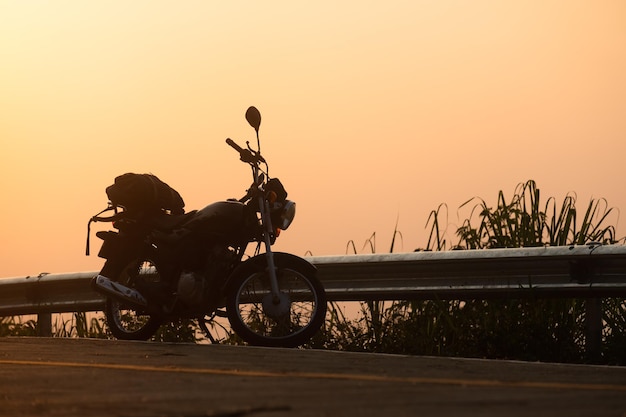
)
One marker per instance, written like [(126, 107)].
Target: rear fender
[(115, 245)]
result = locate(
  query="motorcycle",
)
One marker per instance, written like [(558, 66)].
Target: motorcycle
[(166, 265)]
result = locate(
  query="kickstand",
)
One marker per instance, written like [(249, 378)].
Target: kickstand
[(202, 323)]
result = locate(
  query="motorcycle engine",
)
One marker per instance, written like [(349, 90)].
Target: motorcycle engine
[(195, 283), (190, 288)]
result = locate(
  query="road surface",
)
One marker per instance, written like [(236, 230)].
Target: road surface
[(87, 377)]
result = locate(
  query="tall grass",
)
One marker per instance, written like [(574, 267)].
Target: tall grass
[(92, 325), (80, 324), (524, 221), (15, 326)]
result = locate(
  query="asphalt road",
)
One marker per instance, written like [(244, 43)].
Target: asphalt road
[(83, 377)]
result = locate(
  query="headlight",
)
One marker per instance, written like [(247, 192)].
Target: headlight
[(287, 214)]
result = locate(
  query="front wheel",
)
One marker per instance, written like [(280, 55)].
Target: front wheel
[(287, 320), (128, 322)]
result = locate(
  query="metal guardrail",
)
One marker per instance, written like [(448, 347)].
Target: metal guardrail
[(565, 271), (590, 271)]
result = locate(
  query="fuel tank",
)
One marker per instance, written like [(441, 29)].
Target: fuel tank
[(229, 221)]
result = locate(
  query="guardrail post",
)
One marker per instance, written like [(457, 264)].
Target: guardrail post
[(44, 325), (593, 327)]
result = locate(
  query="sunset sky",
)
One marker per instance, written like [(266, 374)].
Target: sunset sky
[(372, 111)]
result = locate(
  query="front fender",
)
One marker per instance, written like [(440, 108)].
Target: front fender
[(259, 263)]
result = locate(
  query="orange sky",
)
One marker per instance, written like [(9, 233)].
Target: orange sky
[(371, 110)]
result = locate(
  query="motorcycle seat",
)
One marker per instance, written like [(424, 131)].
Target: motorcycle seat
[(171, 221)]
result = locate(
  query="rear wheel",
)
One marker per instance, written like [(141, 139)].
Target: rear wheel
[(128, 322), (287, 320)]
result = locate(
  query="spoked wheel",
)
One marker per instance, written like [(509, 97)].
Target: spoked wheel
[(128, 322), (287, 320)]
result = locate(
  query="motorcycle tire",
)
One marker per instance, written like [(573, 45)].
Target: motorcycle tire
[(127, 322), (288, 321)]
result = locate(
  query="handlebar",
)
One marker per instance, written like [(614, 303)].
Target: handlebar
[(246, 155), (234, 145)]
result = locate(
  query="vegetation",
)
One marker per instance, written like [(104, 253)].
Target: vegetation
[(92, 325), (14, 326), (525, 222), (528, 329)]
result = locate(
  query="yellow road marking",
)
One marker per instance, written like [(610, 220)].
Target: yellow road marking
[(324, 375)]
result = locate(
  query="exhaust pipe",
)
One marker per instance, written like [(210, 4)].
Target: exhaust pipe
[(104, 285)]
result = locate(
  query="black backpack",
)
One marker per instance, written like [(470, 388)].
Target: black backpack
[(144, 193)]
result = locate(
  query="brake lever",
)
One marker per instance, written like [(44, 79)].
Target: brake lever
[(256, 155)]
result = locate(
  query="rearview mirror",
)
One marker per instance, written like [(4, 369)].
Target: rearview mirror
[(253, 116)]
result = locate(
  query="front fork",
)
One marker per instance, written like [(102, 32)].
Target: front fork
[(269, 255)]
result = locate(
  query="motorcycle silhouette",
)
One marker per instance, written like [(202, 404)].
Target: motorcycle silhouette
[(163, 264)]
